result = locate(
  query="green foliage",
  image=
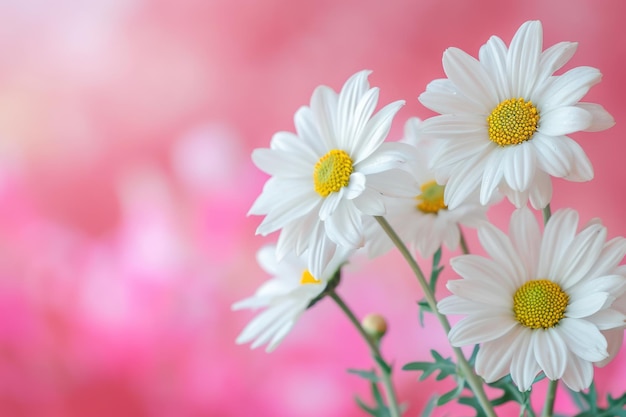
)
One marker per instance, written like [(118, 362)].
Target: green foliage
[(369, 375), (432, 283), (587, 402), (444, 366)]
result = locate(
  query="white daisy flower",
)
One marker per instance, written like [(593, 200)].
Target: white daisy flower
[(332, 171), (285, 296), (504, 119), (423, 222), (539, 303)]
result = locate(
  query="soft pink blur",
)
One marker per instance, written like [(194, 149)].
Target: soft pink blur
[(125, 133)]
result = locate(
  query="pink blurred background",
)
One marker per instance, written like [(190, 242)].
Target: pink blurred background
[(125, 178)]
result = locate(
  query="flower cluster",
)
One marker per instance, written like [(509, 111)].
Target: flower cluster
[(550, 303)]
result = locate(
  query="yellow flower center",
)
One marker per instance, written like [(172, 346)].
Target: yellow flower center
[(512, 122), (540, 304), (332, 172), (431, 199), (307, 278)]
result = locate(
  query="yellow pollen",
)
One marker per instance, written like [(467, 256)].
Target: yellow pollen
[(307, 278), (512, 122), (332, 172), (540, 304), (431, 199)]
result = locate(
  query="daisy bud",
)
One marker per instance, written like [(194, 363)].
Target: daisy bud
[(375, 325)]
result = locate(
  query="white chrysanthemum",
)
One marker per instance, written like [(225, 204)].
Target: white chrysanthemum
[(332, 171), (423, 222), (504, 119), (540, 303), (285, 296)]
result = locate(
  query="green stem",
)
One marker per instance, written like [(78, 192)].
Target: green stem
[(469, 374), (551, 395), (547, 213), (548, 407), (385, 370), (463, 243)]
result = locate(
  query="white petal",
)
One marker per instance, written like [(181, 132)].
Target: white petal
[(540, 192), (349, 122), (587, 306), (492, 176), (555, 57), (469, 76), (608, 319), (579, 257), (526, 238), (523, 58), (614, 339), (356, 185), (553, 154), (482, 291), (478, 329), (612, 254), (321, 250), (375, 132), (578, 374), (524, 366), (550, 352), (558, 234), (475, 267), (494, 358), (465, 181), (602, 120), (393, 183), (371, 203), (582, 170), (330, 204), (519, 164), (324, 107), (390, 155), (501, 250), (569, 88), (281, 163), (564, 120), (307, 129), (443, 97), (456, 126), (583, 339), (345, 227), (493, 57)]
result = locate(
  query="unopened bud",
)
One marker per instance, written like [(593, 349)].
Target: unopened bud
[(375, 325)]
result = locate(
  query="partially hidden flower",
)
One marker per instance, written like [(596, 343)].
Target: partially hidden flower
[(540, 303), (284, 297), (333, 170), (424, 222), (504, 119)]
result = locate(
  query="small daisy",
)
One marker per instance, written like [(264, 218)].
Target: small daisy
[(504, 119), (423, 222), (332, 171), (540, 303), (285, 297)]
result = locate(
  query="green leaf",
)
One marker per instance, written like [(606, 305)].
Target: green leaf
[(451, 395), (430, 406), (384, 366), (365, 374), (444, 366)]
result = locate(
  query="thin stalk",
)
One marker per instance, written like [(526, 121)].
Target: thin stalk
[(392, 402), (547, 213), (469, 374), (548, 407), (551, 395), (463, 243)]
